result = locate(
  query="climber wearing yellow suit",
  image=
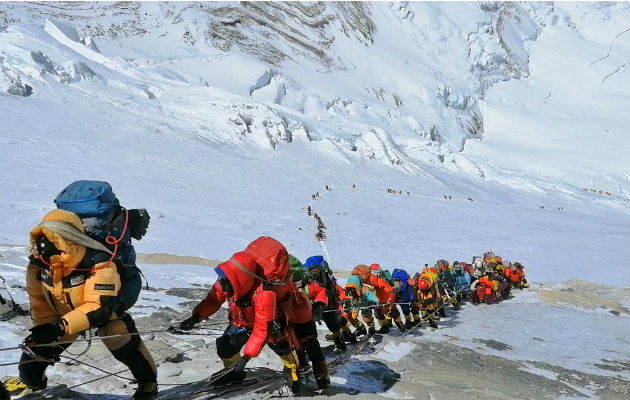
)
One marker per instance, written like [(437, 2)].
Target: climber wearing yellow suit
[(72, 285)]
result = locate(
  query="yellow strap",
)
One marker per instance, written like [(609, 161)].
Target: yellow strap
[(291, 362)]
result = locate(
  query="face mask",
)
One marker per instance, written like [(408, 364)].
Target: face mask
[(226, 286), (45, 248), (352, 292)]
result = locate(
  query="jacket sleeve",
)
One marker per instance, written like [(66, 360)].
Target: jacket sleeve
[(211, 303), (318, 293), (41, 311), (265, 313), (386, 287), (99, 297)]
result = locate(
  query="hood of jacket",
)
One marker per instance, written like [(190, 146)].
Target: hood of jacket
[(71, 253)]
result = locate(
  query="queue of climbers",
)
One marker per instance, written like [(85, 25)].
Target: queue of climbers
[(372, 294), (320, 235), (82, 274)]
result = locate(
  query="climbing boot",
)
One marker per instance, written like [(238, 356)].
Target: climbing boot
[(433, 323), (322, 376), (146, 391), (360, 330), (304, 365), (339, 343), (384, 329), (349, 337)]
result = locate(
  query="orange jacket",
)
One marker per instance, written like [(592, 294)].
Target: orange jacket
[(78, 286), (517, 276), (487, 284), (384, 291)]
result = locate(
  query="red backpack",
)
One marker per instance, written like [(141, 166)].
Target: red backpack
[(272, 257)]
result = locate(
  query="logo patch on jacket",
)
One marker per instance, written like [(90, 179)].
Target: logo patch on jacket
[(104, 286), (77, 280)]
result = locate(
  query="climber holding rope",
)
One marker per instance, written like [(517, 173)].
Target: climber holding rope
[(73, 284)]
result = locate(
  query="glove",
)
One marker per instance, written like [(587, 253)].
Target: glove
[(120, 309), (189, 323), (46, 333), (239, 365), (318, 310), (138, 222)]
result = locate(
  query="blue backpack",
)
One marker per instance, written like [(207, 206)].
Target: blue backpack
[(403, 276), (97, 205), (88, 199)]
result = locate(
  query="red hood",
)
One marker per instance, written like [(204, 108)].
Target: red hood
[(242, 282)]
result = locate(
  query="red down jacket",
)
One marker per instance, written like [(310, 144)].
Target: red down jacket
[(256, 307)]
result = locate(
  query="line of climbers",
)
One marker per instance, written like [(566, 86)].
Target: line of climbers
[(375, 294), (321, 227), (394, 191)]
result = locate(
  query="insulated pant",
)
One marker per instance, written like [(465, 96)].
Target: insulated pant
[(306, 334), (234, 338), (126, 348), (332, 319)]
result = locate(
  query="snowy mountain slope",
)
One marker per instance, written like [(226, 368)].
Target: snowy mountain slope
[(417, 76), (188, 130), (222, 119)]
